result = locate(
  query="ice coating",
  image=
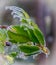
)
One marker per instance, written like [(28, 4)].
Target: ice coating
[(14, 8), (22, 56), (16, 11)]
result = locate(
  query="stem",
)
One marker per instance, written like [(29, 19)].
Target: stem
[(44, 49), (3, 26)]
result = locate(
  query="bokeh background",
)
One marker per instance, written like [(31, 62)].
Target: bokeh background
[(43, 12)]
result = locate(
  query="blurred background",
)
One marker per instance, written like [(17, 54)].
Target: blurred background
[(43, 12)]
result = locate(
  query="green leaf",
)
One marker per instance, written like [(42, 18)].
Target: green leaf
[(39, 36), (17, 37), (28, 49), (18, 30), (13, 54), (1, 47), (28, 33), (36, 33), (25, 14), (3, 38), (3, 35), (32, 36)]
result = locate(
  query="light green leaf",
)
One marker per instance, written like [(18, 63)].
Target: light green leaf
[(3, 35), (1, 47), (32, 36), (3, 38), (25, 14), (19, 30)]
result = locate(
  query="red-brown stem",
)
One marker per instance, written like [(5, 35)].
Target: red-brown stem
[(3, 26)]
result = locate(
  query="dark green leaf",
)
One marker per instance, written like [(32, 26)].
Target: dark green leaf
[(32, 36), (28, 49), (39, 36)]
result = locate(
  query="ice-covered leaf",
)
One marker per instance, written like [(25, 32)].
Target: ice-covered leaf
[(3, 35), (32, 36), (39, 35), (26, 31), (17, 29), (29, 49), (13, 54), (18, 37), (35, 35), (1, 47), (3, 38), (18, 12)]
